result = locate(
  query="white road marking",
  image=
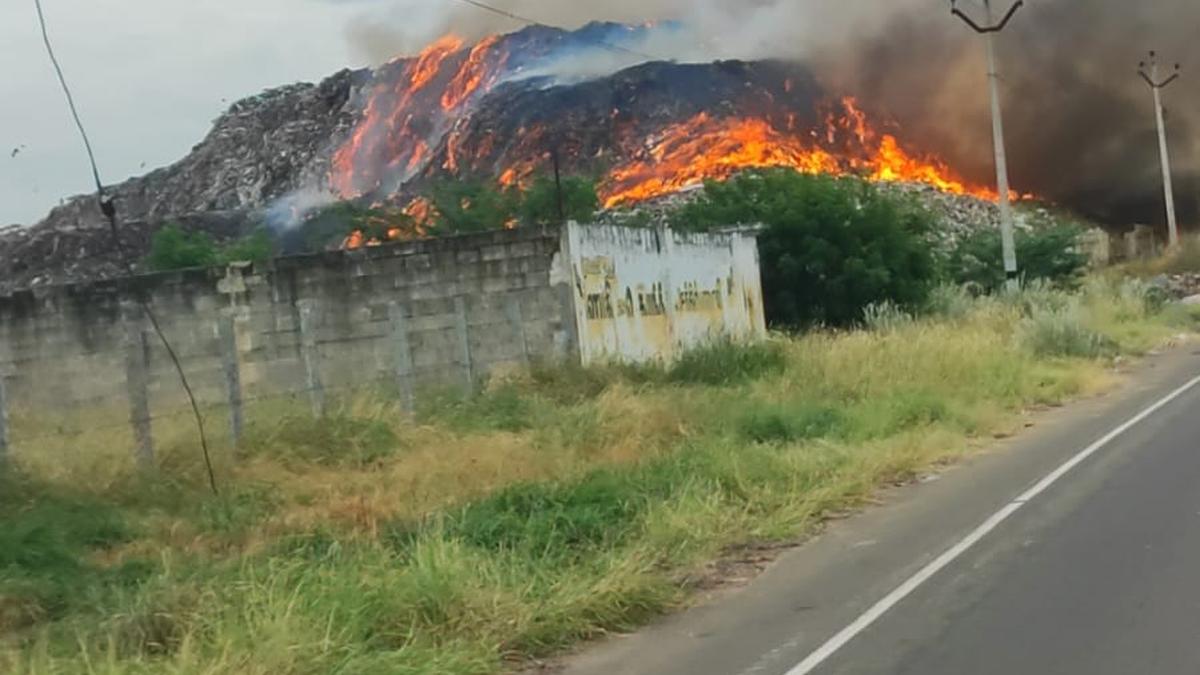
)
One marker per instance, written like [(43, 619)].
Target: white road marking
[(914, 582)]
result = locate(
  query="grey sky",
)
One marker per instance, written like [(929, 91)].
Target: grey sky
[(149, 77)]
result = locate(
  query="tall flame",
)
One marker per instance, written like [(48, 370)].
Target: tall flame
[(704, 148), (481, 68), (430, 61), (387, 137)]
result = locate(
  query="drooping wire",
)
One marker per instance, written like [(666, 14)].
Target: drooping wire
[(533, 22), (87, 143), (108, 208)]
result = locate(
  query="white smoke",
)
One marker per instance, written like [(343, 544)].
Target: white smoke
[(716, 29), (290, 210)]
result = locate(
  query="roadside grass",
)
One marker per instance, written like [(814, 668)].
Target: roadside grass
[(553, 506)]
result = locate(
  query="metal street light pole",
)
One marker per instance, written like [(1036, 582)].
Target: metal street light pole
[(989, 32), (1168, 188)]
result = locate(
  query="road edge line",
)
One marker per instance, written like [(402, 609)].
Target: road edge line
[(864, 620)]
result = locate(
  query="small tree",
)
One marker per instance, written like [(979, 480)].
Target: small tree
[(465, 206), (1052, 254), (539, 204), (172, 248), (832, 246), (257, 248)]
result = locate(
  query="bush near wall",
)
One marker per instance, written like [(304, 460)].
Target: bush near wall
[(173, 248), (832, 246)]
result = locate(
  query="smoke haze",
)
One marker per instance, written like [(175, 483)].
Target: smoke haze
[(1079, 121)]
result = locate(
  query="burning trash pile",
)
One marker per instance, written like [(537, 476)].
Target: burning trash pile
[(958, 215), (498, 111)]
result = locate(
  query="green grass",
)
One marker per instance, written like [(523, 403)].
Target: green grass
[(726, 363), (46, 538), (551, 507)]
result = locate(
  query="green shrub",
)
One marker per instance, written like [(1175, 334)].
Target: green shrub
[(1061, 332), (548, 520), (831, 246), (1038, 297), (539, 204), (949, 301), (463, 206), (1140, 299), (565, 520), (725, 362), (174, 249), (1052, 255), (885, 317), (256, 248), (786, 424)]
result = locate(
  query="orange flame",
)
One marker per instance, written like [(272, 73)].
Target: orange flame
[(342, 165), (430, 61), (452, 141), (703, 148), (410, 222), (385, 137), (419, 209), (479, 67), (892, 164)]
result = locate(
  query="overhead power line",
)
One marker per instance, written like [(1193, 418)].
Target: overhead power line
[(109, 209), (534, 22)]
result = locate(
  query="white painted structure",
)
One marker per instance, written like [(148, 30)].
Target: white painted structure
[(645, 294)]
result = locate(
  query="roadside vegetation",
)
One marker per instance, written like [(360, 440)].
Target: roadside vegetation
[(556, 504), (550, 507)]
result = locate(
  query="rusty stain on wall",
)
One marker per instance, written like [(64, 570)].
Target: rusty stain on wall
[(644, 294)]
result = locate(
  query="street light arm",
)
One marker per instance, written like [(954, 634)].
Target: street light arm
[(1147, 79), (968, 20), (1008, 17), (1169, 80), (987, 29)]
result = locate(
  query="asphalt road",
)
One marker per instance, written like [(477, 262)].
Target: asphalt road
[(1098, 574)]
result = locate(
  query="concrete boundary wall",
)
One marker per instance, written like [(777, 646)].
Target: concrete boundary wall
[(408, 316), (327, 319)]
